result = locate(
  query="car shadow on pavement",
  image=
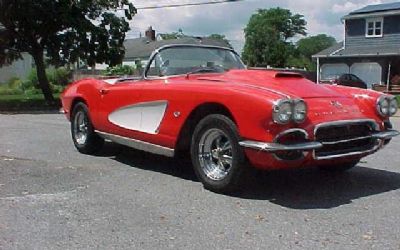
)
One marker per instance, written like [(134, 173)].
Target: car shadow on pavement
[(315, 189), (297, 189), (178, 168)]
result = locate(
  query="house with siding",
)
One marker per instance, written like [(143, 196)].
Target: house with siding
[(370, 50)]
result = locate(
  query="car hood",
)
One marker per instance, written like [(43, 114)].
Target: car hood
[(287, 84)]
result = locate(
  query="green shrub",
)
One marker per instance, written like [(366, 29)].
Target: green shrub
[(58, 89), (62, 76), (14, 83), (398, 99), (33, 92), (27, 84), (33, 79), (56, 76), (119, 70), (8, 91)]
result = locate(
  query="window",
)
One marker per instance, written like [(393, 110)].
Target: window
[(178, 60), (374, 27)]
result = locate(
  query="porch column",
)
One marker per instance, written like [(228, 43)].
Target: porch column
[(318, 70), (388, 77)]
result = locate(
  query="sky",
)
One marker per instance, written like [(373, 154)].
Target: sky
[(230, 19)]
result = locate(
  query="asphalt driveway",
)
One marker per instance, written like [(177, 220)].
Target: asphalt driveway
[(52, 197)]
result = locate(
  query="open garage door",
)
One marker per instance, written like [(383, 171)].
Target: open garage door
[(370, 72)]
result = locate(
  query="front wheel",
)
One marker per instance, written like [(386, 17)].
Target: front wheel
[(83, 135), (218, 159)]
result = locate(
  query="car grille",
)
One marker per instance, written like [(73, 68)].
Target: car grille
[(345, 138)]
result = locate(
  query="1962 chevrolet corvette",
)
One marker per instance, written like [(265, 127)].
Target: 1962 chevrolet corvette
[(202, 100)]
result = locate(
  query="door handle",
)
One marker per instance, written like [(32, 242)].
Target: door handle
[(104, 91)]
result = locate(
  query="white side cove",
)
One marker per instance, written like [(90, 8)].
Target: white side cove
[(144, 117)]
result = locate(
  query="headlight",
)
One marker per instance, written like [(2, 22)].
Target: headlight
[(286, 110), (299, 111), (386, 106), (393, 106), (282, 112)]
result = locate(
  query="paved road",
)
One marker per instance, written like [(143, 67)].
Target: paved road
[(52, 197)]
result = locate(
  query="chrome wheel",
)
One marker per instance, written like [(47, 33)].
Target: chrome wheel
[(215, 154), (80, 127)]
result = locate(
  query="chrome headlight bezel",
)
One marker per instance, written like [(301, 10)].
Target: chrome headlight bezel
[(281, 108), (393, 106), (386, 106), (299, 111), (292, 110)]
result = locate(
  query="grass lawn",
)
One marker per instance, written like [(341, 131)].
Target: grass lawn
[(26, 102)]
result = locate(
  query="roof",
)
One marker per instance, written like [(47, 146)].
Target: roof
[(377, 8), (339, 51), (330, 50), (143, 47)]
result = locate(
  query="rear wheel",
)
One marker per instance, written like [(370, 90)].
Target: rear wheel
[(218, 159), (83, 135)]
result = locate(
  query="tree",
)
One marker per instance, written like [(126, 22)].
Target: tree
[(63, 31), (267, 37), (173, 35), (221, 38), (180, 34), (313, 44), (306, 47)]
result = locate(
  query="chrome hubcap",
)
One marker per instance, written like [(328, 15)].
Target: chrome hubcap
[(215, 154), (80, 127)]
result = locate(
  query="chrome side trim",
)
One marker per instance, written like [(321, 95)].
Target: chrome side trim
[(137, 144), (267, 89), (273, 147)]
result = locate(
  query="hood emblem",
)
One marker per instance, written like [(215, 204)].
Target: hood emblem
[(337, 104)]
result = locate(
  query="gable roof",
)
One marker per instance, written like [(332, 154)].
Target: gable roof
[(141, 48), (338, 50), (377, 8), (329, 51)]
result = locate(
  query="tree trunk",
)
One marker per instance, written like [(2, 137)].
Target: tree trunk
[(43, 81)]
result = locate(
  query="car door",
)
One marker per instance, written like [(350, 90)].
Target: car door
[(115, 100), (135, 109)]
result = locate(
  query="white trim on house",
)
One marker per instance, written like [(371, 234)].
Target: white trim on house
[(376, 27), (372, 14)]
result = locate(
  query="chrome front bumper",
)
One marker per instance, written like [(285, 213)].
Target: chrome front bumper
[(386, 135), (306, 146), (273, 147)]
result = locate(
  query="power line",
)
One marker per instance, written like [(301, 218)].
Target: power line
[(186, 4)]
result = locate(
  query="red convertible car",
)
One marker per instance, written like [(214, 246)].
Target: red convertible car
[(202, 100)]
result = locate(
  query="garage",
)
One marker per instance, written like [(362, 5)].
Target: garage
[(330, 71), (370, 72)]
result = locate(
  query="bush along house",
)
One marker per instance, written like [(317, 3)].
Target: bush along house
[(370, 50)]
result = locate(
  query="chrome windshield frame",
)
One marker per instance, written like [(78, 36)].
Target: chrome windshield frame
[(158, 50)]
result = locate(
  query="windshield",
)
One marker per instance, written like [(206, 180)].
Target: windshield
[(185, 60)]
